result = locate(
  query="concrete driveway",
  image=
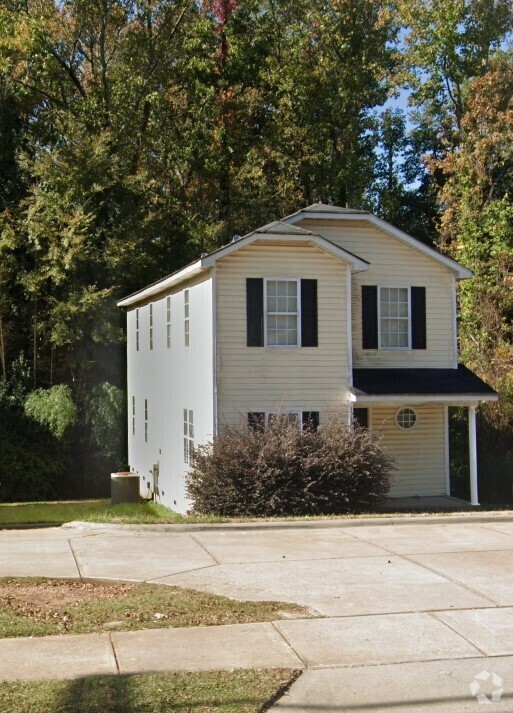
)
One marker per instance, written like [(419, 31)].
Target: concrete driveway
[(414, 616)]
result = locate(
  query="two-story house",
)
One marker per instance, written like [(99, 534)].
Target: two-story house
[(330, 310)]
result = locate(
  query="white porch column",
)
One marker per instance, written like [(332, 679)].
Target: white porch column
[(472, 447)]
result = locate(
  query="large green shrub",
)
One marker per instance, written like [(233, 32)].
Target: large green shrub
[(284, 471)]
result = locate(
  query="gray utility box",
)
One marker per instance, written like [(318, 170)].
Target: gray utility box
[(124, 488)]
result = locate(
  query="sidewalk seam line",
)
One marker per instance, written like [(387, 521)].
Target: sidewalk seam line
[(200, 544), (451, 628), (75, 558), (287, 642), (114, 654)]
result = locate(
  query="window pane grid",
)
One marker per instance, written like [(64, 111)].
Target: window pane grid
[(406, 418), (394, 317), (282, 312)]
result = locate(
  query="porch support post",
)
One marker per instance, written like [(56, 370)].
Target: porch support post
[(472, 447)]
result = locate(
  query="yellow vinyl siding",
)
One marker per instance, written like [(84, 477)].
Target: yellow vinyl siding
[(399, 265), (419, 453), (260, 378)]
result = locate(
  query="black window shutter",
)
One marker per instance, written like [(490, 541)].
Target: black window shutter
[(255, 311), (418, 317), (361, 417), (309, 313), (256, 420), (369, 317), (311, 420)]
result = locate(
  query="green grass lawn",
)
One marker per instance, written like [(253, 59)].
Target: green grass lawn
[(88, 511), (42, 607), (212, 692), (148, 513)]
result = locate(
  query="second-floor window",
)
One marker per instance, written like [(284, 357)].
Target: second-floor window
[(394, 317), (168, 322), (137, 330), (151, 326), (186, 323), (282, 313)]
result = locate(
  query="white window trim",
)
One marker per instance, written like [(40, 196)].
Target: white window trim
[(402, 428), (297, 280), (392, 287)]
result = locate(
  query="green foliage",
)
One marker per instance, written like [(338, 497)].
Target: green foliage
[(53, 408), (284, 471), (105, 414)]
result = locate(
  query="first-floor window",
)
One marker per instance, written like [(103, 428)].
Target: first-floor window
[(406, 418), (188, 436), (133, 415), (302, 419), (146, 420)]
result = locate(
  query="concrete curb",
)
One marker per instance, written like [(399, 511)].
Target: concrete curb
[(295, 524)]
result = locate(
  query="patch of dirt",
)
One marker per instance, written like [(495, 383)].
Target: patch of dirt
[(46, 600)]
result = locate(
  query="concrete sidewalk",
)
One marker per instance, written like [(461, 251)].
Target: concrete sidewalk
[(411, 613)]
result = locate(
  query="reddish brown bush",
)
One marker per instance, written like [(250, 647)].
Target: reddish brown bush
[(284, 471)]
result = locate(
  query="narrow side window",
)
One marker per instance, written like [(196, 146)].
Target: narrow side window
[(168, 322), (136, 330), (188, 436), (151, 326), (133, 415), (146, 420), (186, 317)]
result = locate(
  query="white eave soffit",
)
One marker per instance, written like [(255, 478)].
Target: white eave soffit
[(462, 273)]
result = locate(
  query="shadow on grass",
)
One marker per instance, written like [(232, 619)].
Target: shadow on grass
[(235, 691)]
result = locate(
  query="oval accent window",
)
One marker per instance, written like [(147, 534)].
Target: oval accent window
[(406, 418)]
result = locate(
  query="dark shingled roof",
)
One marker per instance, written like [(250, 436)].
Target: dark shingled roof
[(382, 382)]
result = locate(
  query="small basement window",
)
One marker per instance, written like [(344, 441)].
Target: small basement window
[(406, 418)]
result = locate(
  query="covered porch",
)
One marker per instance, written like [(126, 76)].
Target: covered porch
[(410, 409)]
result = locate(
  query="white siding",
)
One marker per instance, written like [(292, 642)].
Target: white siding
[(419, 453), (259, 378), (397, 264), (171, 380)]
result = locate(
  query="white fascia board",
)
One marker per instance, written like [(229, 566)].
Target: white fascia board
[(462, 273), (162, 285), (422, 398), (356, 263)]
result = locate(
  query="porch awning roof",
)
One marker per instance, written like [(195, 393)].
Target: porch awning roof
[(435, 384)]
